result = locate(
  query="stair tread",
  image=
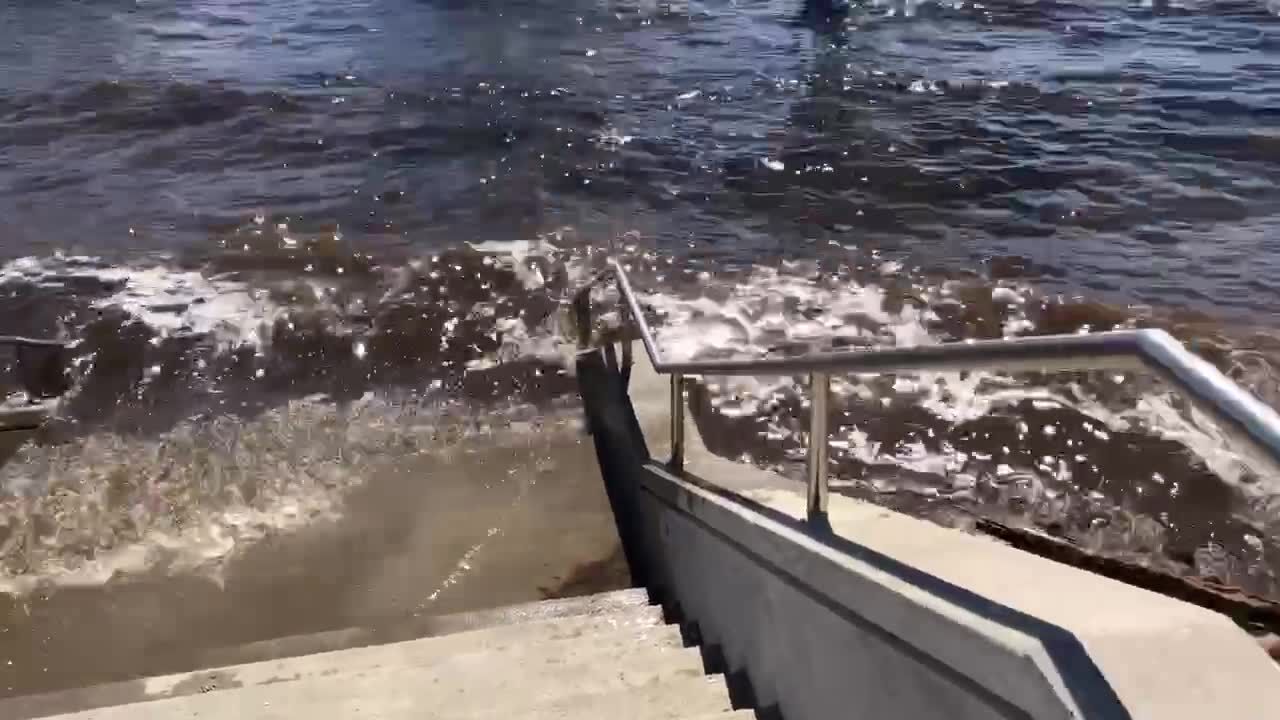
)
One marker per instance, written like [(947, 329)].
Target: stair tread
[(577, 639), (401, 696), (409, 628)]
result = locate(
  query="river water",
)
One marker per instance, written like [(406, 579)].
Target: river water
[(310, 250)]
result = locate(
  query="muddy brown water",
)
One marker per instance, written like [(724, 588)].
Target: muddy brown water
[(421, 536)]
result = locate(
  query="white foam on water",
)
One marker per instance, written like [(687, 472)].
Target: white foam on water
[(764, 311), (547, 342), (171, 301), (33, 268), (795, 306), (767, 310), (198, 493), (187, 302), (188, 500), (514, 255), (83, 512)]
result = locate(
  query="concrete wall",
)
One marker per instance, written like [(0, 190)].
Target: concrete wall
[(884, 616), (19, 422), (800, 625)]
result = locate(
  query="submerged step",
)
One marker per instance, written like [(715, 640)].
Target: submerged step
[(409, 628)]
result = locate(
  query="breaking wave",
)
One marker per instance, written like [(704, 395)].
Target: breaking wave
[(215, 403)]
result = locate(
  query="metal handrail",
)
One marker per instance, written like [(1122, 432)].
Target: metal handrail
[(1246, 418)]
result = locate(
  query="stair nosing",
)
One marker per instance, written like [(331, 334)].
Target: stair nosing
[(394, 630), (699, 693)]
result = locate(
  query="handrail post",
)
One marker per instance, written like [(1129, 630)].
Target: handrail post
[(819, 387), (677, 421)]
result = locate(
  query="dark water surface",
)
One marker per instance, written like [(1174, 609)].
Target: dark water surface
[(1130, 149), (260, 218)]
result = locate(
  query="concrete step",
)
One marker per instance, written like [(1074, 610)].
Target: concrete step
[(18, 414), (603, 640), (609, 655), (668, 700), (400, 629), (400, 695)]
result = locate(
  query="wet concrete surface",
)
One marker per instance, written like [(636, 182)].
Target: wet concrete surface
[(506, 517)]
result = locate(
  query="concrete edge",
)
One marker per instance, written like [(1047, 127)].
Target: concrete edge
[(23, 415), (1135, 652), (206, 678), (1052, 653), (1010, 663), (387, 695), (965, 636), (417, 627)]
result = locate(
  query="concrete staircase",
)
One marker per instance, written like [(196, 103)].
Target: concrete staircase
[(605, 655)]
